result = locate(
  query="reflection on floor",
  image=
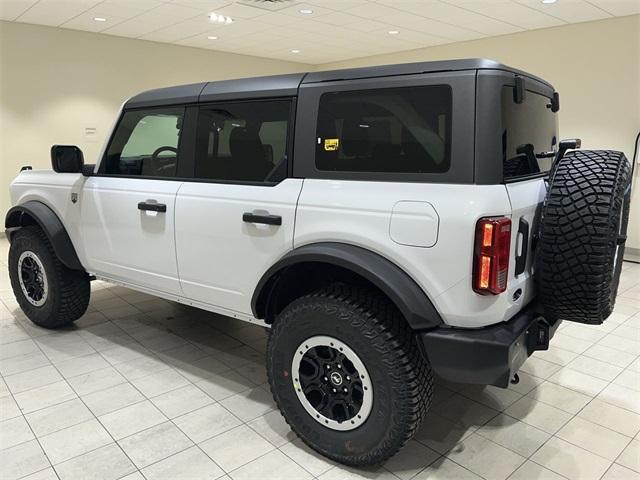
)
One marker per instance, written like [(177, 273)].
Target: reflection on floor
[(144, 388)]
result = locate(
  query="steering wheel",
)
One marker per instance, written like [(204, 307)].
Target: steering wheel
[(156, 153)]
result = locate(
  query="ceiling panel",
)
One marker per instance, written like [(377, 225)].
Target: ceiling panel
[(318, 30)]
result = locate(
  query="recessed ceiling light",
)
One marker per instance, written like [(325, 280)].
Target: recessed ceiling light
[(212, 37), (549, 1), (217, 18), (306, 11), (99, 19), (295, 50), (393, 32)]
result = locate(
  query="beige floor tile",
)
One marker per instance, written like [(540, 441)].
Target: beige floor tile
[(630, 457), (73, 441), (526, 384), (570, 461), (140, 366), (14, 431), (580, 382), (441, 434), (310, 460), (474, 451), (249, 404), (43, 397), (618, 472), (560, 397), (629, 379), (206, 422), (236, 447), (96, 381), (445, 469), (191, 464), (56, 417), (124, 353), (182, 400), (556, 355), (465, 411), (82, 365), (596, 368), (112, 399), (410, 460), (613, 417), (513, 434), (610, 355), (490, 396), (533, 471), (22, 460), (31, 379), (621, 396), (19, 348), (201, 369), (538, 414), (46, 474), (159, 383), (583, 332), (572, 344), (223, 385), (275, 465), (104, 463), (23, 363), (273, 427), (346, 473), (154, 444), (132, 419), (623, 344), (539, 368), (594, 438), (8, 408)]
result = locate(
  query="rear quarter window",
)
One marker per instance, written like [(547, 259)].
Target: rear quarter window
[(401, 130), (529, 135)]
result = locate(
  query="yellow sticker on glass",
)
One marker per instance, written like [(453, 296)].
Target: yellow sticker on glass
[(331, 144)]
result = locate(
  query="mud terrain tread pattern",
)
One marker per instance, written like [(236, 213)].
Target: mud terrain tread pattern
[(383, 325), (73, 285), (578, 235)]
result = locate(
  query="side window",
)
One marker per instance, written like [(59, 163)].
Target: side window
[(145, 143), (243, 141), (385, 130)]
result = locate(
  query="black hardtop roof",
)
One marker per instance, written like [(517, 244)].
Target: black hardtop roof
[(287, 85)]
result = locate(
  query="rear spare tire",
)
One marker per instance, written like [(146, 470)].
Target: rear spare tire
[(583, 229)]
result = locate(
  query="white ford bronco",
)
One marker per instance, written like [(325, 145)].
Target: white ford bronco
[(389, 223)]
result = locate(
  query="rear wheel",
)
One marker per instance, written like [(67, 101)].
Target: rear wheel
[(347, 374), (583, 229), (50, 294)]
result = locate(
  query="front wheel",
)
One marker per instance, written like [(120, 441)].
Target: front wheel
[(347, 374), (50, 294)]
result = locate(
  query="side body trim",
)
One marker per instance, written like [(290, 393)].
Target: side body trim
[(401, 289), (51, 225)]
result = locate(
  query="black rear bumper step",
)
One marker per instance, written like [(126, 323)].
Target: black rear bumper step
[(489, 355)]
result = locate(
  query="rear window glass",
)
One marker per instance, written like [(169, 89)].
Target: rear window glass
[(385, 130), (529, 134)]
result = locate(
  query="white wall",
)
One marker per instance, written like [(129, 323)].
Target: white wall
[(55, 82), (595, 66)]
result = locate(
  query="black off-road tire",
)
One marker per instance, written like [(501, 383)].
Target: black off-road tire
[(583, 228), (68, 290), (376, 331)]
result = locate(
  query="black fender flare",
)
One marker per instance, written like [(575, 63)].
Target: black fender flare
[(399, 287), (50, 224)]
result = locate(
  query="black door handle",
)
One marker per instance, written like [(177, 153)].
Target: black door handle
[(266, 219), (521, 260), (152, 207)]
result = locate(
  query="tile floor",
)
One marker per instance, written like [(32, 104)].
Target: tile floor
[(143, 388)]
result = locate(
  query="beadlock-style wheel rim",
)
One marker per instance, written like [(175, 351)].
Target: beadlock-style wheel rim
[(332, 383), (32, 278)]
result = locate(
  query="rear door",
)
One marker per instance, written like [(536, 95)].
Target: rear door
[(127, 208), (529, 144), (236, 218)]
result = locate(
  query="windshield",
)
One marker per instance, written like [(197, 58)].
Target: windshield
[(529, 134)]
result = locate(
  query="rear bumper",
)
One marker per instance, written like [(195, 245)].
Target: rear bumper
[(489, 355)]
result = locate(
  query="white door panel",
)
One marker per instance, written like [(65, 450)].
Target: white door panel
[(125, 243), (221, 258)]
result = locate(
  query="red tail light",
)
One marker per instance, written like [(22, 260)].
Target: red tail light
[(491, 255)]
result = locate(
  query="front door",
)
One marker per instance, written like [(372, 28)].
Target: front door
[(237, 218), (127, 218)]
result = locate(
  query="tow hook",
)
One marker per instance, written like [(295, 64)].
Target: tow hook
[(515, 380)]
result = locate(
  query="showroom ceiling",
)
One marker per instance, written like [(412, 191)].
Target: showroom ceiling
[(310, 31)]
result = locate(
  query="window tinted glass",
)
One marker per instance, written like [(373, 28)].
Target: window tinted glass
[(529, 132), (243, 141), (145, 143), (385, 130)]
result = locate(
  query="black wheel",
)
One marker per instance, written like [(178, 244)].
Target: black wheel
[(50, 294), (583, 229), (347, 374)]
